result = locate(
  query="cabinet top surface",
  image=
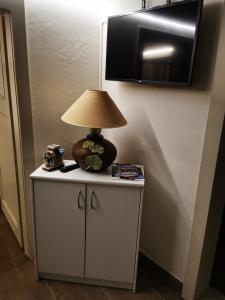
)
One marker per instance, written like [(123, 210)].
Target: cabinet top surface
[(82, 176)]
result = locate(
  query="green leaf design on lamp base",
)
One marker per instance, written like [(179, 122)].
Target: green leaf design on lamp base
[(93, 162), (95, 148), (88, 144)]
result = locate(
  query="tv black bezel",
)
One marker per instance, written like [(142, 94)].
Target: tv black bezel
[(193, 56)]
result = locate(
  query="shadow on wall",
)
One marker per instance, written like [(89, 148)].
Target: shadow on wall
[(162, 199), (207, 45), (165, 132)]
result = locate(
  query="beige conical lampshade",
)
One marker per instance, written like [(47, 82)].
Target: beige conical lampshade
[(94, 109)]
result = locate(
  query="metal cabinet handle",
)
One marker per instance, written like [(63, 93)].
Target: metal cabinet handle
[(92, 197), (78, 200)]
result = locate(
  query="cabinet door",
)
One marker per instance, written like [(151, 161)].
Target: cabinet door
[(111, 232), (60, 227)]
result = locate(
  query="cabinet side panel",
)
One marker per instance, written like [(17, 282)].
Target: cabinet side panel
[(111, 236), (60, 227)]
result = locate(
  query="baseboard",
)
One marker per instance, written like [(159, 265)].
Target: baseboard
[(211, 293), (153, 267)]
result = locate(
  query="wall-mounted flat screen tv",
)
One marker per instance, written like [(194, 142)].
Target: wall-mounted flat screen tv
[(154, 45)]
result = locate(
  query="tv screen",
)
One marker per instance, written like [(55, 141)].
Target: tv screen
[(154, 45)]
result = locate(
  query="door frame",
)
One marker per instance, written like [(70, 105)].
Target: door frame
[(21, 110), (14, 219)]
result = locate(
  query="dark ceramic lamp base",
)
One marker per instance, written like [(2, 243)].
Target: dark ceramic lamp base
[(94, 153)]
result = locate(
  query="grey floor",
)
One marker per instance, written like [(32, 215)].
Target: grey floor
[(17, 280)]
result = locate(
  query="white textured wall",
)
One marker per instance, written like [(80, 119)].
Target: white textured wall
[(63, 49), (166, 125), (166, 131), (208, 210)]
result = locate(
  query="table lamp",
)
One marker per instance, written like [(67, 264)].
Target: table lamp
[(95, 110)]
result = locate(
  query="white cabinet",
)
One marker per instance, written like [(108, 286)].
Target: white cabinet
[(87, 227), (111, 237), (60, 227)]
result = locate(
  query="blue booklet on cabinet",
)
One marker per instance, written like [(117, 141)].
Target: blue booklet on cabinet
[(127, 171)]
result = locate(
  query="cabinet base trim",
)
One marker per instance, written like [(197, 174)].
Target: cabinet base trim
[(121, 285)]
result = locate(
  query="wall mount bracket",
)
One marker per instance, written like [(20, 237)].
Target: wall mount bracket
[(143, 3)]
